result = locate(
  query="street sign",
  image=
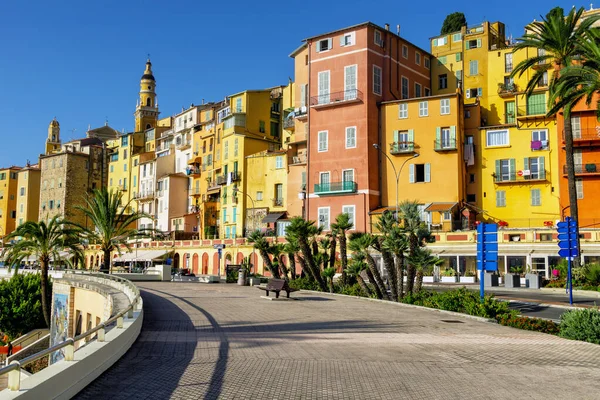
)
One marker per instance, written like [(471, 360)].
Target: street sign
[(565, 253), (520, 173), (568, 244), (568, 236), (219, 246), (220, 251), (487, 252)]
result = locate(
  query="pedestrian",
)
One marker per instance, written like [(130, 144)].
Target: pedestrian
[(10, 349)]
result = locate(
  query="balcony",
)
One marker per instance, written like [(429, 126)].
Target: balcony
[(300, 159), (193, 171), (195, 192), (335, 98), (147, 195), (402, 147), (277, 202), (233, 120), (301, 113), (588, 169), (523, 176), (507, 89), (123, 188), (532, 112), (222, 179), (444, 145), (335, 187), (585, 137), (289, 124)]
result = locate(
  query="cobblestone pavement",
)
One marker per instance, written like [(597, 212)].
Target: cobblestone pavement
[(223, 341)]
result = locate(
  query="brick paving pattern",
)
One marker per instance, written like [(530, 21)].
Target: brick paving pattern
[(223, 341)]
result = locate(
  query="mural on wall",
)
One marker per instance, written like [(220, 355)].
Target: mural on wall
[(59, 329)]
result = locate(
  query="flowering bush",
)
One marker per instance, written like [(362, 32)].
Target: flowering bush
[(529, 324)]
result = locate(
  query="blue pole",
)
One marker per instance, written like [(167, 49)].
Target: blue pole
[(570, 284), (482, 261)]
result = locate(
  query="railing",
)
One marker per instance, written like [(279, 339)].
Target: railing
[(123, 188), (584, 134), (525, 177), (289, 123), (533, 110), (301, 112), (14, 368), (277, 202), (148, 194), (336, 187), (194, 171), (222, 179), (442, 145), (299, 159), (402, 147), (584, 169), (507, 90), (336, 97)]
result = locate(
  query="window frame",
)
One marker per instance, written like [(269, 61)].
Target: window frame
[(326, 227), (445, 104), (352, 218), (346, 137), (425, 108), (326, 135), (375, 83), (403, 110), (487, 137)]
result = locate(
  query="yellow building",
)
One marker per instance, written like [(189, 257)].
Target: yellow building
[(8, 199), (123, 170), (267, 186), (53, 140), (146, 111), (424, 141), (28, 198)]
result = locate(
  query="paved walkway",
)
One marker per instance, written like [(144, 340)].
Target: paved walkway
[(224, 341)]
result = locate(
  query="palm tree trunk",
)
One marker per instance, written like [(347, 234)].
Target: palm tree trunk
[(388, 263), (399, 261), (377, 277), (419, 283), (274, 271), (375, 286), (305, 268), (315, 247), (344, 257), (332, 250), (45, 292), (571, 184), (410, 270), (107, 261), (363, 285), (314, 268), (292, 258)]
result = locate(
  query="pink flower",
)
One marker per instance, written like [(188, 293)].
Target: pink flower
[(555, 272)]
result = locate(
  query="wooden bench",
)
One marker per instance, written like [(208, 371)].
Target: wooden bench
[(277, 286), (208, 278)]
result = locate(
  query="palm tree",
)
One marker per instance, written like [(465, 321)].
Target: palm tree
[(263, 246), (301, 231), (325, 245), (328, 274), (396, 242), (45, 241), (357, 265), (360, 243), (332, 246), (291, 248), (112, 228), (422, 260), (342, 225), (559, 37), (412, 226), (385, 225), (277, 251)]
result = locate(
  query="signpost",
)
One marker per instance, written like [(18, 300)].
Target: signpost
[(567, 244), (487, 252), (219, 248)]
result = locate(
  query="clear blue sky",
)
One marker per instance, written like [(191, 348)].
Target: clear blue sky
[(81, 61)]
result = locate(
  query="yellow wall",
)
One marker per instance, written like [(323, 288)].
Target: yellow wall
[(123, 173), (28, 195), (8, 200)]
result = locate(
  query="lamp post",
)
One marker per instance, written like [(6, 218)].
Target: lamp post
[(396, 173), (235, 191)]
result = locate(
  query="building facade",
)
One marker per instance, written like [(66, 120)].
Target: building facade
[(8, 199), (28, 197)]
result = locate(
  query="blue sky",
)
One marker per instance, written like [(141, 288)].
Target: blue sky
[(81, 60)]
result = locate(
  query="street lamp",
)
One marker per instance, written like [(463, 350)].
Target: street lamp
[(396, 173), (235, 191)]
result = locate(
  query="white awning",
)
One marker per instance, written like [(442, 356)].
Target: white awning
[(141, 255), (61, 254)]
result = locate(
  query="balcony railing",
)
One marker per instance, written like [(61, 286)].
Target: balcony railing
[(222, 179), (351, 95), (584, 169), (299, 159), (193, 171), (581, 136), (335, 187), (123, 188), (289, 124), (444, 145), (277, 202), (535, 110), (301, 112), (507, 90), (525, 176), (402, 147), (145, 195)]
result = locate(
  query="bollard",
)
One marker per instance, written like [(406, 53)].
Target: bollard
[(14, 378), (101, 335), (130, 313), (70, 351), (120, 323)]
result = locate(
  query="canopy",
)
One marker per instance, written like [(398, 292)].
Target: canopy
[(441, 207), (141, 255), (61, 254), (272, 217)]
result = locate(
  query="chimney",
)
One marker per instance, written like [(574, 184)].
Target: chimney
[(387, 27), (398, 29)]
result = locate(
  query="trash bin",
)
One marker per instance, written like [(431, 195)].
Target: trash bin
[(241, 277)]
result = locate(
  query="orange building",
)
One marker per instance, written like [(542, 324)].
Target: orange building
[(351, 71), (586, 154)]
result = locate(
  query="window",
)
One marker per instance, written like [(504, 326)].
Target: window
[(418, 89), (275, 129), (509, 109), (112, 168), (473, 67), (442, 60), (226, 151), (351, 137), (134, 181), (350, 82), (506, 170), (259, 196), (447, 216), (473, 93), (234, 214), (423, 108), (536, 197), (261, 126), (471, 178), (536, 104), (458, 57), (376, 80), (21, 208), (22, 191), (347, 39), (446, 138), (404, 51), (508, 63), (579, 188), (324, 45), (458, 75), (500, 198), (351, 211), (445, 106), (403, 111), (418, 58), (279, 194), (427, 92), (440, 41), (377, 38), (544, 81), (404, 87), (457, 37), (323, 142), (497, 138), (534, 168), (419, 173), (471, 198), (303, 95), (224, 214), (125, 167), (324, 178), (473, 44), (541, 136), (324, 218), (443, 81), (124, 141), (348, 175), (541, 53), (238, 105), (235, 147), (51, 204), (323, 83), (279, 162), (403, 140), (426, 62), (576, 126)]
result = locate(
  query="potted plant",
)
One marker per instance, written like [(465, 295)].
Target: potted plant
[(470, 277), (449, 276), (428, 276), (532, 279), (513, 278)]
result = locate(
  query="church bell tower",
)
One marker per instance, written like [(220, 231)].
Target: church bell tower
[(146, 110)]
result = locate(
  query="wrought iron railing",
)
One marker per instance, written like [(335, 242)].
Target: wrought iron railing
[(336, 97)]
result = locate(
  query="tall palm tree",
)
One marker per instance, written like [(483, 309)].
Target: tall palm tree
[(291, 248), (559, 37), (112, 226), (360, 243), (386, 225), (328, 274), (277, 251), (302, 231), (263, 246), (46, 241), (422, 259), (325, 245), (332, 246), (396, 242), (342, 225), (356, 266), (412, 226)]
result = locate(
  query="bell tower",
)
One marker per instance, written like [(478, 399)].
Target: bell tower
[(146, 110), (53, 140)]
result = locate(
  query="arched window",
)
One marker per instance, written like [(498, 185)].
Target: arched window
[(148, 126), (148, 102)]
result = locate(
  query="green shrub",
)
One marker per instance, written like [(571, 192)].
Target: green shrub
[(232, 275), (529, 324), (304, 283), (350, 290), (556, 283), (592, 274), (581, 324), (21, 304)]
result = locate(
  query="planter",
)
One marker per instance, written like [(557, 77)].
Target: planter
[(428, 279), (467, 279), (534, 281), (523, 282), (449, 279), (254, 281), (490, 280), (512, 280)]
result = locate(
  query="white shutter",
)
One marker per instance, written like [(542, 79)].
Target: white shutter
[(468, 94), (302, 95), (427, 172), (330, 42), (323, 87), (411, 173)]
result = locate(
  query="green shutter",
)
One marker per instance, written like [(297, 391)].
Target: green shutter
[(411, 136), (235, 166), (411, 173), (498, 171), (395, 136), (526, 166), (513, 170), (542, 167), (478, 42), (453, 136), (458, 56), (427, 172), (438, 137), (467, 45)]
